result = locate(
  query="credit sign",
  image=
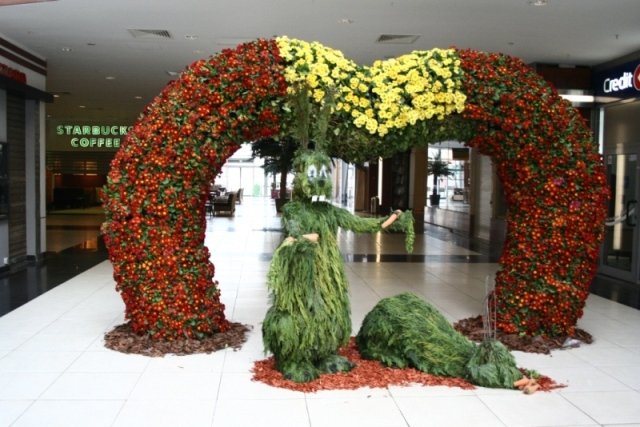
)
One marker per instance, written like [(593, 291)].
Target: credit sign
[(620, 82)]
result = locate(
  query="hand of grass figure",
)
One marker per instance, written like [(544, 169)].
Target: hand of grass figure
[(392, 218)]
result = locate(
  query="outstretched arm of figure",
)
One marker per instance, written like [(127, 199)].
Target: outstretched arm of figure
[(397, 221), (357, 224)]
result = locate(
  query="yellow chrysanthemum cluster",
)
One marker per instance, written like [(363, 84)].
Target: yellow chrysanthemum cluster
[(318, 66), (391, 94), (418, 86)]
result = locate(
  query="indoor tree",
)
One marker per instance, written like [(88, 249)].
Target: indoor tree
[(278, 157), (437, 167)]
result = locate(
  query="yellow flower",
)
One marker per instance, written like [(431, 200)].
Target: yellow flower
[(360, 121), (321, 69), (312, 81), (318, 95), (391, 94), (372, 125)]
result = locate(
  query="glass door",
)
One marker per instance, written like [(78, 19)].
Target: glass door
[(620, 248)]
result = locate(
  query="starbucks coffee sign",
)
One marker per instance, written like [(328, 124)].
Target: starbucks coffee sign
[(92, 136)]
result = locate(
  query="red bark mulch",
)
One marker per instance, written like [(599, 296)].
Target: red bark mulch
[(473, 329), (367, 373), (123, 339)]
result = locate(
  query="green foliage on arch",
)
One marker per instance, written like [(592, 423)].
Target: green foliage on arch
[(552, 173)]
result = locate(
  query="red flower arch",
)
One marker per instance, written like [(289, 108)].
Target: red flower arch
[(157, 187)]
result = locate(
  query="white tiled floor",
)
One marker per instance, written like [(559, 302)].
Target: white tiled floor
[(55, 371)]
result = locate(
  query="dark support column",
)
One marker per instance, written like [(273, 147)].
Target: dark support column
[(419, 184)]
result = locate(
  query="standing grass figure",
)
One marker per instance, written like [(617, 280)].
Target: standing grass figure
[(309, 319)]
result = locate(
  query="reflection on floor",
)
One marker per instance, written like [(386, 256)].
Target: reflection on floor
[(447, 218), (73, 246), (54, 369)]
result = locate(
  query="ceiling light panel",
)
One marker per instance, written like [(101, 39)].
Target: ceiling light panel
[(150, 34), (397, 38)]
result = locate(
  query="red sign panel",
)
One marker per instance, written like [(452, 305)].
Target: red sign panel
[(13, 74)]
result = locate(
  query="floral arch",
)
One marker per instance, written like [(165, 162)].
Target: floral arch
[(552, 173)]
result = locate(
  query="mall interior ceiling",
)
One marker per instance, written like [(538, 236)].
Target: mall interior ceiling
[(108, 59)]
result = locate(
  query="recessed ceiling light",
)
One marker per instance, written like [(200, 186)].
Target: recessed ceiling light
[(172, 73), (150, 34), (397, 38), (190, 37), (137, 97), (538, 2), (66, 49), (82, 106), (345, 21), (110, 78)]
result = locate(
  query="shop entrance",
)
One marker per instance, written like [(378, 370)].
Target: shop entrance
[(622, 238)]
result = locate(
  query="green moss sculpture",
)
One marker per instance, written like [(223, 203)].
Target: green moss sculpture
[(406, 331), (309, 318)]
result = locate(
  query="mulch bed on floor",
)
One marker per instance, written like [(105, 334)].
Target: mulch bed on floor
[(367, 373), (473, 329), (123, 339)]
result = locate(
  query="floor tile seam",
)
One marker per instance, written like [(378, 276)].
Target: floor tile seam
[(137, 382), (630, 388), (88, 372), (587, 359), (308, 411), (33, 402), (218, 389), (566, 392), (43, 392), (261, 399), (464, 292), (566, 399), (58, 317), (68, 399), (635, 366), (397, 405), (610, 317), (161, 399), (488, 407)]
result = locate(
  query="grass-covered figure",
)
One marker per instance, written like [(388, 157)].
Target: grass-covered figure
[(406, 331), (309, 319)]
